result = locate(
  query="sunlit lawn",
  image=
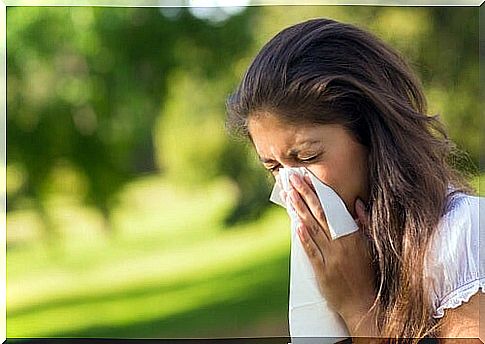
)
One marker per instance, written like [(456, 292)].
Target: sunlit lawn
[(170, 270)]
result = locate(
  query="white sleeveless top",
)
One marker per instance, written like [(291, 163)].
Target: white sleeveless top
[(455, 263)]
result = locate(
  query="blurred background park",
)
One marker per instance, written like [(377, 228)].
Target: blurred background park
[(130, 211)]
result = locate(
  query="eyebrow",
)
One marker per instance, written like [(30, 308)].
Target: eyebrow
[(293, 152)]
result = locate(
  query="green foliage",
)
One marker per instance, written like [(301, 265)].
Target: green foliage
[(86, 86), (190, 130)]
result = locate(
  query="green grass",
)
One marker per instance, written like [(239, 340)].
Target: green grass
[(185, 276)]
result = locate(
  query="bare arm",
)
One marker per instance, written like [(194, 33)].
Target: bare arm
[(464, 321), (458, 323)]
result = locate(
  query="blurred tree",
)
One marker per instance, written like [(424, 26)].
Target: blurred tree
[(85, 85), (192, 144)]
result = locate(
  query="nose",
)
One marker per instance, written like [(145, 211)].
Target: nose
[(285, 165)]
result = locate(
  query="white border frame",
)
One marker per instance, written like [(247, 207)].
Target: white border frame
[(185, 3)]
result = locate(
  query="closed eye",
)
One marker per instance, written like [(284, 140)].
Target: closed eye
[(303, 160), (309, 159)]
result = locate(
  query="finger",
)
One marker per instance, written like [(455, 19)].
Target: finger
[(312, 201), (310, 198), (307, 180), (306, 217), (311, 248), (361, 212)]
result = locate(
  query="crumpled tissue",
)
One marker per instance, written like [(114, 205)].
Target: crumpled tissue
[(309, 314)]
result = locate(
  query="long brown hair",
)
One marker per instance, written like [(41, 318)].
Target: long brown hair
[(322, 71)]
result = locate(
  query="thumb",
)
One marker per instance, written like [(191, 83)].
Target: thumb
[(361, 212)]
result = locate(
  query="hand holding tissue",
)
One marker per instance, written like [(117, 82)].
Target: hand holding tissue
[(309, 313)]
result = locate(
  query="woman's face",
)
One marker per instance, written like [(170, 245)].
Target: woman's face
[(329, 151)]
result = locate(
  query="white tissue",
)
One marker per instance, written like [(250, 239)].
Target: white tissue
[(309, 313)]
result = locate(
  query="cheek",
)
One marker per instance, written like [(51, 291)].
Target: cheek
[(346, 175), (324, 173)]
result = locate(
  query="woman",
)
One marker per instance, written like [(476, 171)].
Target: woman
[(337, 100)]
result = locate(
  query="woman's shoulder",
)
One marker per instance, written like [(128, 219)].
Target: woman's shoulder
[(454, 267), (460, 224)]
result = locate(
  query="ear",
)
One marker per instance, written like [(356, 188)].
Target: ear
[(361, 212)]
